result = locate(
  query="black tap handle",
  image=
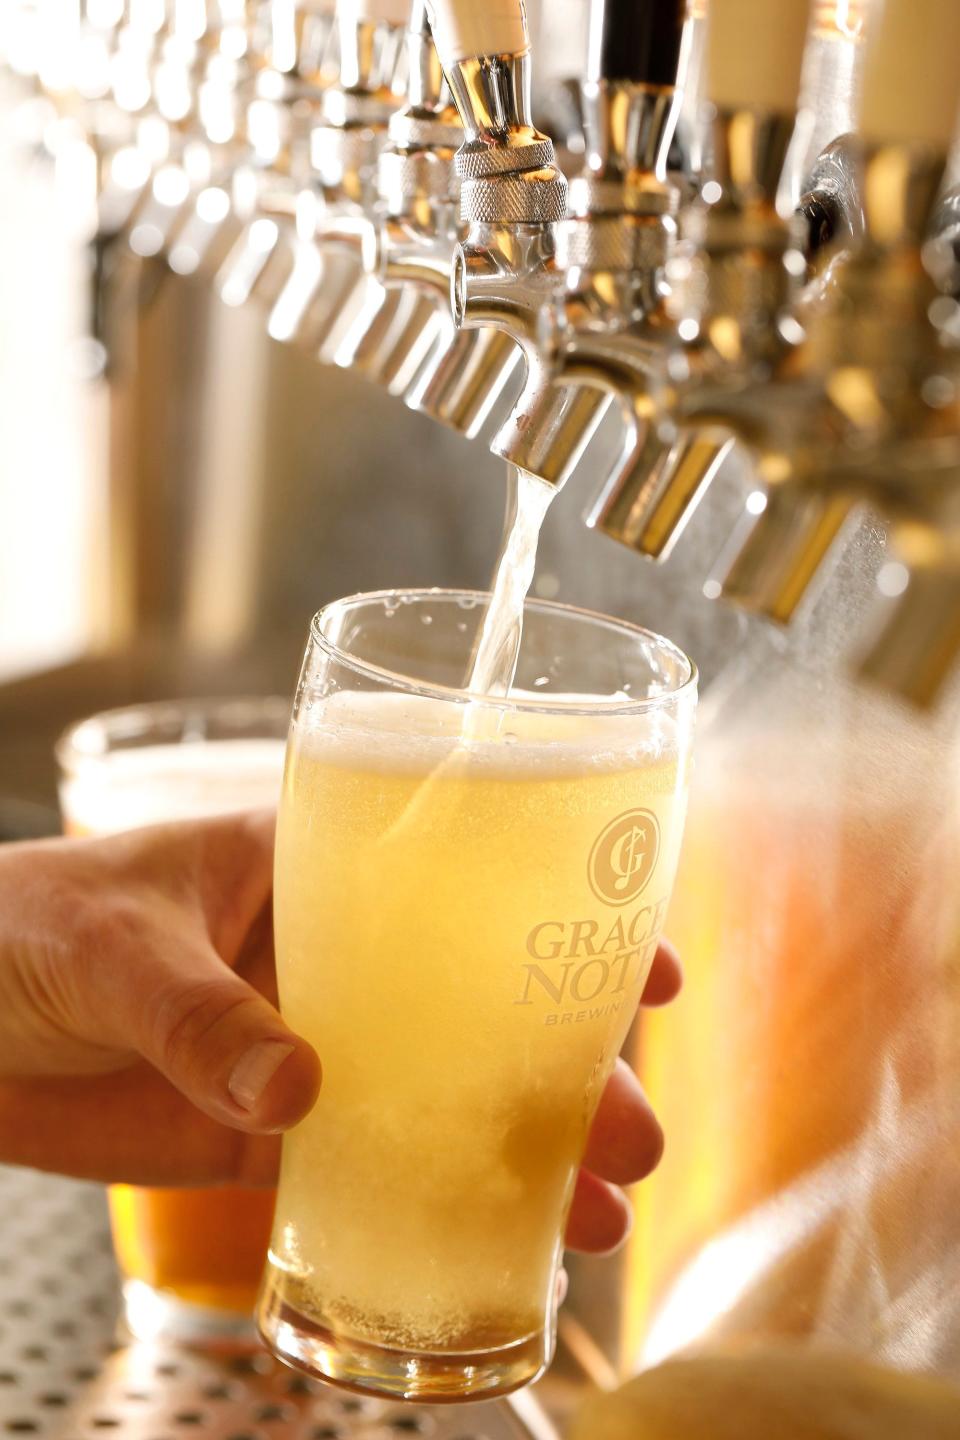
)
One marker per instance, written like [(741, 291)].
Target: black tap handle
[(636, 40)]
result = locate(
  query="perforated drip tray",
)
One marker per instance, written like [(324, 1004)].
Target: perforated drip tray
[(63, 1373)]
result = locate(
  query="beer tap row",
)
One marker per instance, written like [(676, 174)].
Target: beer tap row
[(374, 179)]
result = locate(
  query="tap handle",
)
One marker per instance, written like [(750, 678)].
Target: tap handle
[(755, 52), (425, 87), (911, 76), (463, 29), (506, 166), (636, 40), (908, 114), (388, 12)]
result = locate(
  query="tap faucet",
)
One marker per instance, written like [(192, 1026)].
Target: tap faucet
[(732, 276), (504, 277), (415, 200), (165, 189), (253, 100), (292, 48), (455, 376), (606, 326), (329, 292)]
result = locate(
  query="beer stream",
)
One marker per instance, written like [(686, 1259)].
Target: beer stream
[(498, 650)]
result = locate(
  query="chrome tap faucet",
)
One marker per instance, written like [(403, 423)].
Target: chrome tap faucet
[(412, 226), (606, 329), (504, 277), (291, 51), (328, 291), (732, 278), (455, 376)]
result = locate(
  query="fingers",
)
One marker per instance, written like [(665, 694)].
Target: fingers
[(153, 985), (624, 1145), (234, 874), (133, 1128), (666, 976), (600, 1216), (625, 1141), (153, 971)]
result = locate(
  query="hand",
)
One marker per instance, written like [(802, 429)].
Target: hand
[(139, 1039)]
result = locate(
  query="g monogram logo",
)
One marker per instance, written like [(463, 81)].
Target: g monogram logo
[(623, 857)]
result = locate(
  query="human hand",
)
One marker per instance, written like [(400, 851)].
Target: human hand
[(139, 1039)]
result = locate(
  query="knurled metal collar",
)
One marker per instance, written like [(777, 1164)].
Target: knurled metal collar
[(752, 293), (416, 174), (529, 197), (715, 229), (410, 131), (333, 151), (355, 107), (590, 196), (611, 242), (476, 160)]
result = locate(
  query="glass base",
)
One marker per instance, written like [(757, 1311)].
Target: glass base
[(151, 1314), (368, 1369)]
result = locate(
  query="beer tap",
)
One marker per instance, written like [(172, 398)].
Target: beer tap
[(512, 195), (413, 248), (733, 277), (415, 205), (291, 64), (166, 191), (405, 332), (863, 407), (328, 289), (607, 328)]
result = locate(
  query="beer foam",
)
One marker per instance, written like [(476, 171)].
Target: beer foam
[(419, 733), (145, 786)]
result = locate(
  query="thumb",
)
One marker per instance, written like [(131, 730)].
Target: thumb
[(211, 1034)]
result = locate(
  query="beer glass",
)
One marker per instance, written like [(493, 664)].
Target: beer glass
[(191, 1259), (468, 896)]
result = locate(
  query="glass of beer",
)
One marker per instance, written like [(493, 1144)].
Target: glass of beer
[(191, 1259), (468, 896)]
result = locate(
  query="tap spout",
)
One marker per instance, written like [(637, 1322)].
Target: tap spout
[(917, 650)]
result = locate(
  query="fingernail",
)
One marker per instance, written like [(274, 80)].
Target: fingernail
[(253, 1071)]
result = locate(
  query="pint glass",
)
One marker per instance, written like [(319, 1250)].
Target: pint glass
[(191, 1259), (468, 897)]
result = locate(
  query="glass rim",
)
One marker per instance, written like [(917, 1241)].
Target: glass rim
[(539, 705), (68, 753)]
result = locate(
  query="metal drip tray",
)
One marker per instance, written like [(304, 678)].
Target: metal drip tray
[(64, 1373)]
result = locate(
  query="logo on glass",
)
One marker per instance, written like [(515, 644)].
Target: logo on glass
[(624, 856)]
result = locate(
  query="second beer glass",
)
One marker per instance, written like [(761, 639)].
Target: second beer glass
[(468, 898), (191, 1258)]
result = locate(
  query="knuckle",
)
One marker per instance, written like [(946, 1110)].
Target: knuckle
[(102, 932), (187, 1014), (109, 928)]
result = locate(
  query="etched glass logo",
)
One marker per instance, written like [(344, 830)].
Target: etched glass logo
[(624, 856)]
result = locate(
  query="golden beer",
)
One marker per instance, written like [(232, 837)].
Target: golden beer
[(466, 911), (191, 1259)]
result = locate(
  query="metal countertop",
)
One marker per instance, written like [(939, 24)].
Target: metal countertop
[(66, 1371)]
